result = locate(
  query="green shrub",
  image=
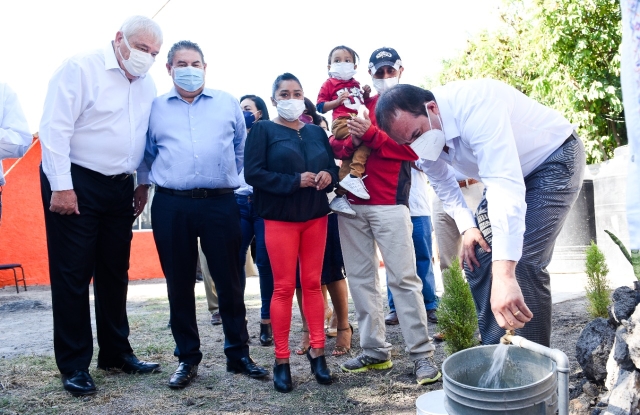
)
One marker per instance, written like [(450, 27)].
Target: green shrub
[(457, 318), (597, 283)]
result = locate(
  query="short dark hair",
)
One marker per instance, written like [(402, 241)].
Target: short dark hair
[(311, 111), (353, 53), (401, 97), (284, 77), (260, 105), (183, 44)]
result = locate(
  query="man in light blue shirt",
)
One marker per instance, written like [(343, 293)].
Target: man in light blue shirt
[(195, 151)]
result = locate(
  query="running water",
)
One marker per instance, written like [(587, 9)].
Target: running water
[(492, 378)]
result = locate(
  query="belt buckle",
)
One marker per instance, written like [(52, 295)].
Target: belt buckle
[(198, 194)]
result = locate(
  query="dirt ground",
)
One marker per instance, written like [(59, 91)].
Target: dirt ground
[(30, 383)]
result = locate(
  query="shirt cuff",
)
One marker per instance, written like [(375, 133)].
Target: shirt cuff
[(59, 183), (506, 247), (464, 220), (142, 177)]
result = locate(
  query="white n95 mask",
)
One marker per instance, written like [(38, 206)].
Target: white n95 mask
[(430, 144)]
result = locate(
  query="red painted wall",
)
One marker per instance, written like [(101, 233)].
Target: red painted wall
[(22, 234)]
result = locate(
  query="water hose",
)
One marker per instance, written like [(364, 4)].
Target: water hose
[(562, 365)]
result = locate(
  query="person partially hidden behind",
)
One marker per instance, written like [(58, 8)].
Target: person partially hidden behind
[(14, 131)]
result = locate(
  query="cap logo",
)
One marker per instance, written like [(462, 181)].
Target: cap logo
[(383, 54)]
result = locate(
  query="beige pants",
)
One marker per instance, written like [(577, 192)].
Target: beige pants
[(390, 228), (209, 287), (448, 239)]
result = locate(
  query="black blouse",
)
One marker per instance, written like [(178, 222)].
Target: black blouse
[(275, 156)]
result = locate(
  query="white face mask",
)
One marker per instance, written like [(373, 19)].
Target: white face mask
[(383, 85), (139, 62), (430, 144), (342, 71), (290, 109)]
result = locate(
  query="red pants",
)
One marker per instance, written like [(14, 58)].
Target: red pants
[(289, 243)]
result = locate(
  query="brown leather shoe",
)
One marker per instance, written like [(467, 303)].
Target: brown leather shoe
[(391, 319), (439, 337)]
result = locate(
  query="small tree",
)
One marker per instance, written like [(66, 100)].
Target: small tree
[(457, 318), (597, 283)]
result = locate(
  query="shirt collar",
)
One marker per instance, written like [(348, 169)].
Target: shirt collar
[(446, 114), (174, 94)]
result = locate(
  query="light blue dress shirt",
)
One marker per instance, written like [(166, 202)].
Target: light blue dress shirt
[(197, 145)]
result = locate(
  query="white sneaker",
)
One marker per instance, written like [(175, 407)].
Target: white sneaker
[(355, 186), (341, 206)]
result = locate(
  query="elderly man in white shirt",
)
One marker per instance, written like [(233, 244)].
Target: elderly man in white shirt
[(531, 163), (93, 134), (15, 137)]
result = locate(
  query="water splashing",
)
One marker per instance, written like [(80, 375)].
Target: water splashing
[(492, 379)]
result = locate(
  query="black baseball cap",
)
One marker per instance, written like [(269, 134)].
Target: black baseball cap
[(384, 57)]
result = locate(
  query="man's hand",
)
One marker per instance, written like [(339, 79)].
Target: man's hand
[(140, 198), (366, 92), (308, 179), (507, 302), (470, 239), (323, 179), (64, 202), (358, 127)]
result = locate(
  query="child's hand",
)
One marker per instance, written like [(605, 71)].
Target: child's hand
[(342, 95), (366, 91)]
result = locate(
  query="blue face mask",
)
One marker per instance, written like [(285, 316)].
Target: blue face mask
[(249, 119), (188, 78)]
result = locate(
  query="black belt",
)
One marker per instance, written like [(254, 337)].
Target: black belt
[(195, 193), (121, 176)]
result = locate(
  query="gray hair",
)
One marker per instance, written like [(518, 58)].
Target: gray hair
[(141, 24)]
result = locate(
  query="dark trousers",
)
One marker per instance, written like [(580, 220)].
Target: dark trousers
[(552, 189), (253, 225), (96, 243), (178, 221)]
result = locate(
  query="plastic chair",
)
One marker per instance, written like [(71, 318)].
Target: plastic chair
[(15, 274)]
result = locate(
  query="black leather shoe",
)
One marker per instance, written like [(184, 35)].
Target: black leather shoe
[(247, 366), (282, 378), (266, 334), (129, 363), (183, 375), (319, 369), (79, 383)]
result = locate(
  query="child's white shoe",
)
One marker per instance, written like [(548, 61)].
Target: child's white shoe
[(341, 206), (355, 186)]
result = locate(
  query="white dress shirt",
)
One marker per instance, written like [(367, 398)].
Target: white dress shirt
[(419, 194), (497, 135), (15, 137), (95, 118)]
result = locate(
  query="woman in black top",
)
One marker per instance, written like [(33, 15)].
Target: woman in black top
[(290, 166)]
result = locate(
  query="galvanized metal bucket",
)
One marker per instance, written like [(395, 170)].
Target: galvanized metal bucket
[(530, 379)]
